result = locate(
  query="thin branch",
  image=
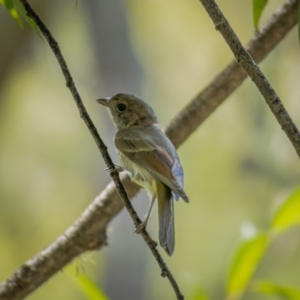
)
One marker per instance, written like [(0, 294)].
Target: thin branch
[(89, 231), (165, 271), (225, 83), (245, 60)]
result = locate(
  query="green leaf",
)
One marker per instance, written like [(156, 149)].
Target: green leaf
[(273, 289), (9, 4), (288, 214), (245, 262), (18, 5), (258, 7), (16, 9), (89, 288), (82, 281)]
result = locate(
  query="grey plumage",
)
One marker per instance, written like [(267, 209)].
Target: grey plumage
[(149, 157)]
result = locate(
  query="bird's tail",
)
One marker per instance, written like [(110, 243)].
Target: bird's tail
[(165, 217)]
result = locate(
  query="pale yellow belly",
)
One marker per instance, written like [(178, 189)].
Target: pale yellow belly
[(138, 174)]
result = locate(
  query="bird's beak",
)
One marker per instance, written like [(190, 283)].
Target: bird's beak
[(104, 101)]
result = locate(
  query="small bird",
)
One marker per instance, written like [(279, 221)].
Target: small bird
[(150, 159)]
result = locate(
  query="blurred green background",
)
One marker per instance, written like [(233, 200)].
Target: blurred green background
[(239, 165)]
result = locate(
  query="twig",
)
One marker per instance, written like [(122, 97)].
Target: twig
[(88, 232), (165, 271), (225, 83), (245, 60)]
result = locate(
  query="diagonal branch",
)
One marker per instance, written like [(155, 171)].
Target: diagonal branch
[(245, 60), (225, 83), (165, 272), (89, 231)]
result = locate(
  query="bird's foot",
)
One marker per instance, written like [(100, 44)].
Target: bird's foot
[(117, 169), (140, 227)]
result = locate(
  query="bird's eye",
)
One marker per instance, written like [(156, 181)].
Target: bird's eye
[(121, 107)]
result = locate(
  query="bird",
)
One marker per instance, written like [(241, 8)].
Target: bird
[(149, 158)]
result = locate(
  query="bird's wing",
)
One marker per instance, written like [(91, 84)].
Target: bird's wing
[(150, 149)]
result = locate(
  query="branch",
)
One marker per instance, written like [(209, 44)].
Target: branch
[(89, 231), (245, 60), (165, 272)]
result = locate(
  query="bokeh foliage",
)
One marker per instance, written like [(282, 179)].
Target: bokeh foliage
[(239, 166)]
